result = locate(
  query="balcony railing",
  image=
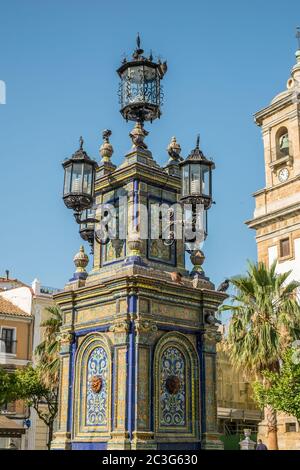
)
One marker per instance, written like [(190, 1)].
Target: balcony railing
[(8, 346), (48, 290)]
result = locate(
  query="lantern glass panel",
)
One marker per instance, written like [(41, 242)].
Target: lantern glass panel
[(68, 175), (87, 214), (151, 94), (134, 88), (77, 178), (87, 179), (185, 180), (206, 180), (195, 179)]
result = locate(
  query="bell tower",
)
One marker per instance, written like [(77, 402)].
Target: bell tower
[(277, 206), (139, 333)]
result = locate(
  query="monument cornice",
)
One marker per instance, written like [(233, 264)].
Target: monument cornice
[(139, 171)]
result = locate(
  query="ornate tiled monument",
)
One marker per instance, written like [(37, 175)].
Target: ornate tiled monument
[(138, 354)]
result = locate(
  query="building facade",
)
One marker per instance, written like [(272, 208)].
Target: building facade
[(236, 408), (15, 353), (276, 217), (21, 333)]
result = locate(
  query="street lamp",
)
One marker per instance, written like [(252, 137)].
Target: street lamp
[(79, 181), (196, 190), (196, 176), (140, 90)]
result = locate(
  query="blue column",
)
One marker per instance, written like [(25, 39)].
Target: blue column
[(131, 367), (73, 347), (202, 382)]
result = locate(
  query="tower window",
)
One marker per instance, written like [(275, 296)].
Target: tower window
[(285, 248), (282, 141)]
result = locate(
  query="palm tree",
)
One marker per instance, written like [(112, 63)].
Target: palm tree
[(265, 319), (48, 350), (47, 353)]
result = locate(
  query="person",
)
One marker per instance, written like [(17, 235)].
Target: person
[(260, 445)]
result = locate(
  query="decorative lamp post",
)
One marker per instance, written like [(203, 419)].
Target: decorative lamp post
[(196, 171), (196, 174), (140, 90), (196, 183), (79, 181)]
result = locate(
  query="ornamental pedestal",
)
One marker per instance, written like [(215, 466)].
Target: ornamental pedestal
[(139, 372)]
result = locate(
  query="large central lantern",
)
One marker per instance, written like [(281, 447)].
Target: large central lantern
[(140, 90)]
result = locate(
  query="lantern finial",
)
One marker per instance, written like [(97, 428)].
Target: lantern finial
[(298, 36), (137, 54), (81, 142), (198, 142)]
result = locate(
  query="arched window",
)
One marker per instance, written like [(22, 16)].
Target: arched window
[(282, 142)]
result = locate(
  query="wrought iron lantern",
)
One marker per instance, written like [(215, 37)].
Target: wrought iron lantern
[(79, 181), (196, 171), (87, 227), (140, 90)]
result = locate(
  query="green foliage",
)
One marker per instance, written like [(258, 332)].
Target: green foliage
[(281, 390), (265, 319), (8, 387)]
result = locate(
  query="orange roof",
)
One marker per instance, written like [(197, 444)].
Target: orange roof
[(8, 308)]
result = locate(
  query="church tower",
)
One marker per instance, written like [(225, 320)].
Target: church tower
[(139, 333), (277, 206), (277, 213)]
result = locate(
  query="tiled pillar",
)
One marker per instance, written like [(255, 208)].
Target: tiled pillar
[(142, 435), (63, 436), (207, 352)]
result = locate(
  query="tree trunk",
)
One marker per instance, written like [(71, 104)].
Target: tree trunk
[(50, 434), (271, 418)]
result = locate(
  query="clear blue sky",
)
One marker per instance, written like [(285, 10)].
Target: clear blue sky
[(227, 59)]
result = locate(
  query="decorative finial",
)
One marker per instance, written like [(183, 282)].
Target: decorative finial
[(138, 51), (197, 259), (174, 149), (81, 142), (81, 261), (298, 36), (198, 142), (106, 149), (151, 56), (137, 136), (106, 134)]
